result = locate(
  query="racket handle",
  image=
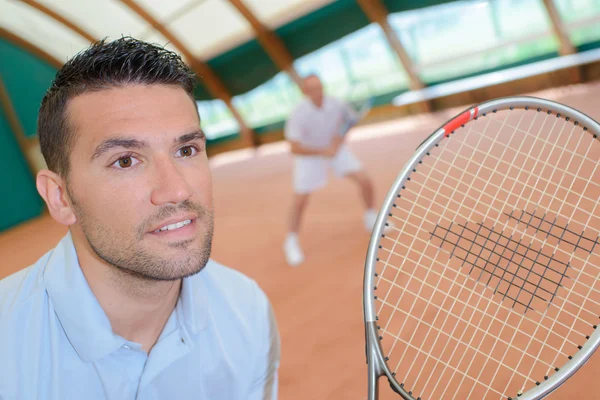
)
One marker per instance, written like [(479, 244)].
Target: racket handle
[(346, 127), (373, 393)]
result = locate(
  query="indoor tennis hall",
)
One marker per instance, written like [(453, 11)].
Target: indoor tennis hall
[(420, 62)]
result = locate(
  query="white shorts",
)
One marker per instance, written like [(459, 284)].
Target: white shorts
[(311, 172)]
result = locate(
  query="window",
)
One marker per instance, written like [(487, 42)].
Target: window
[(356, 66), (465, 37), (444, 42), (582, 19), (269, 103), (216, 119)]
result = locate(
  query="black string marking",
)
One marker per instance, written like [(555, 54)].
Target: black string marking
[(516, 275), (587, 245)]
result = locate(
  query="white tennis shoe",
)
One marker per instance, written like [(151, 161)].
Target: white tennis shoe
[(370, 218), (293, 252)]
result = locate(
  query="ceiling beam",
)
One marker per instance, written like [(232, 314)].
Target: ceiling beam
[(61, 20), (30, 48), (270, 42), (207, 76), (376, 12)]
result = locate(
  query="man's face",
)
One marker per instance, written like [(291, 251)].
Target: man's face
[(139, 181), (313, 89)]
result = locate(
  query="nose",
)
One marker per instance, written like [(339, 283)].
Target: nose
[(170, 184)]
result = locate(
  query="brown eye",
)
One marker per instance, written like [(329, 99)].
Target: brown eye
[(125, 162), (186, 151)]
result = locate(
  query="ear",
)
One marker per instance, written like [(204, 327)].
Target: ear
[(53, 190)]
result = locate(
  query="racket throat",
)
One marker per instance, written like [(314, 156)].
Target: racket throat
[(374, 362)]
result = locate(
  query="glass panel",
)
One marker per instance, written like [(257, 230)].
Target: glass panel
[(163, 10), (269, 103), (41, 31), (582, 19), (372, 65), (356, 66), (577, 10), (101, 19), (488, 59), (211, 28), (465, 37), (274, 13), (216, 119)]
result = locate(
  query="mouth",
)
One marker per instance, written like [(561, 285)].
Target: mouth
[(179, 228), (174, 226)]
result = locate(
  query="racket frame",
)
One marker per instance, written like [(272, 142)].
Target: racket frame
[(376, 360), (360, 114)]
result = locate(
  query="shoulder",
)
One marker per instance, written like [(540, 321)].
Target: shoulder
[(22, 286), (334, 102)]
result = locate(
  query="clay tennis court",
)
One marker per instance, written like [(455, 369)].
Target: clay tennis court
[(318, 305)]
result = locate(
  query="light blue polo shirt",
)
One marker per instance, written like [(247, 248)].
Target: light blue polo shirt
[(56, 342)]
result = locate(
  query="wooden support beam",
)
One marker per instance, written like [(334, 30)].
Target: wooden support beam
[(28, 146), (272, 44), (376, 12), (30, 48), (207, 76), (566, 47), (60, 19)]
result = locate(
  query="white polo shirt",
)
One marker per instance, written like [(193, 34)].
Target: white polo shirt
[(314, 127)]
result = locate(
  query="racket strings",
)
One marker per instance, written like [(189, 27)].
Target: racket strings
[(443, 265), (506, 164), (464, 320), (547, 141), (437, 314), (407, 223), (443, 159), (577, 207), (449, 199), (400, 267), (477, 328), (553, 144), (459, 207), (533, 259), (422, 220)]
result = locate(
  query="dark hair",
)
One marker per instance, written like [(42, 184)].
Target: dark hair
[(103, 65)]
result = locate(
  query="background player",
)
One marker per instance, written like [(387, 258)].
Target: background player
[(316, 131)]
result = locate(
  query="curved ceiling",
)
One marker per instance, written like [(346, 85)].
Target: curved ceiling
[(214, 35), (206, 28)]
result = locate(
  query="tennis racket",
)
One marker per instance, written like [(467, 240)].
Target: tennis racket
[(361, 110), (487, 287)]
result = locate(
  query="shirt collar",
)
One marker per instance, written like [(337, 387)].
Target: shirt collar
[(323, 105), (192, 306), (84, 321)]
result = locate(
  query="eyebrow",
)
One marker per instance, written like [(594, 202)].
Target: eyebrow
[(130, 143), (189, 137)]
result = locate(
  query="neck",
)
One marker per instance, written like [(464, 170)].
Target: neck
[(137, 308), (316, 103)]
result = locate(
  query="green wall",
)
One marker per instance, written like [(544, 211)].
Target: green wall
[(26, 79), (19, 200)]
